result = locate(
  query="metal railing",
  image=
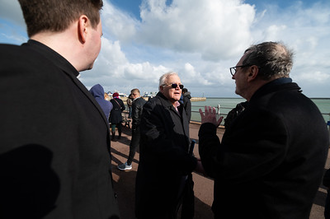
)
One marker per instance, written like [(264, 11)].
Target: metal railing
[(218, 107)]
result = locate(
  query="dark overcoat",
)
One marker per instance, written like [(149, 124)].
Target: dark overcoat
[(54, 140), (118, 108), (271, 159), (164, 158)]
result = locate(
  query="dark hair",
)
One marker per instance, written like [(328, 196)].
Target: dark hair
[(57, 15), (273, 59)]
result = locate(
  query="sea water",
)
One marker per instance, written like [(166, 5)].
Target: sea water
[(226, 104)]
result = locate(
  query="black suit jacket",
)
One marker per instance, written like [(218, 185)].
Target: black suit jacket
[(271, 159), (55, 147)]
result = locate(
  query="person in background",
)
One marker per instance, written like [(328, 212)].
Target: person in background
[(116, 118), (165, 162), (186, 102), (54, 143), (137, 107), (129, 105), (270, 161), (98, 93), (107, 97)]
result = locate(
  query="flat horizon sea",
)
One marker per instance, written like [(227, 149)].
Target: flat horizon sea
[(226, 104)]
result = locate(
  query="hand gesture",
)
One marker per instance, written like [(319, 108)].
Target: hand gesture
[(210, 116)]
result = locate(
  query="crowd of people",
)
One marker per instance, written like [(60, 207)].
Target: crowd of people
[(55, 159)]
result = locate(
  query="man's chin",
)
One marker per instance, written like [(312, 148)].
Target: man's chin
[(91, 66), (176, 98)]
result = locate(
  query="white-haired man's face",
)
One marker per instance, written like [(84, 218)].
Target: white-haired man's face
[(172, 94)]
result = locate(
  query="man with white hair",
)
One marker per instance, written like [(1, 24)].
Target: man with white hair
[(164, 174)]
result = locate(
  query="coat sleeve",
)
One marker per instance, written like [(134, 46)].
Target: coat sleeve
[(136, 113), (209, 144)]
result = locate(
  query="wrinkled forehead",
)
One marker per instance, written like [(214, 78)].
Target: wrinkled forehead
[(173, 79)]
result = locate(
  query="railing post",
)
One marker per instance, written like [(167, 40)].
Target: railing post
[(218, 109)]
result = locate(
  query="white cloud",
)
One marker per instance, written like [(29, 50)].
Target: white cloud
[(197, 26), (200, 40), (11, 10), (115, 72), (307, 32), (314, 77), (117, 24), (184, 35), (175, 37)]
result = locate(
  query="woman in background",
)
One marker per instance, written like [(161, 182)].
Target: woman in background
[(115, 115)]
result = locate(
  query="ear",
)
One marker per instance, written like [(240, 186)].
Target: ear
[(253, 73), (82, 28)]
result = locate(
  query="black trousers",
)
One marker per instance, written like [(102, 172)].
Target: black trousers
[(186, 200), (135, 141)]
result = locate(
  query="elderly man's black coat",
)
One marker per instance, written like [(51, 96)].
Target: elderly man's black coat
[(54, 140), (271, 159), (164, 158)]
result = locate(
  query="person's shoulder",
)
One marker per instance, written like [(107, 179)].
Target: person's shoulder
[(9, 50), (4, 46), (141, 100), (155, 100), (152, 102), (106, 102), (25, 62)]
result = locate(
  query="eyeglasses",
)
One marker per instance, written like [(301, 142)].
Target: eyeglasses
[(234, 69), (174, 85)]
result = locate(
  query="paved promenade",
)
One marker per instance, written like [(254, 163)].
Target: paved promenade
[(124, 182)]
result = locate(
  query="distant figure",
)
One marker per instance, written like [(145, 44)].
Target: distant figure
[(107, 97), (270, 161), (116, 118), (55, 142), (98, 93), (129, 102), (137, 107), (164, 173), (186, 102)]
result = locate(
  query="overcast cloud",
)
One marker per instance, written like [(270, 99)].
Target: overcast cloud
[(198, 39)]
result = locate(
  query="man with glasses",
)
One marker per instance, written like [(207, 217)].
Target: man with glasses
[(164, 173), (270, 161)]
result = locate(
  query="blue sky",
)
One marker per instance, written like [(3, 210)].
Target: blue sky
[(198, 39)]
